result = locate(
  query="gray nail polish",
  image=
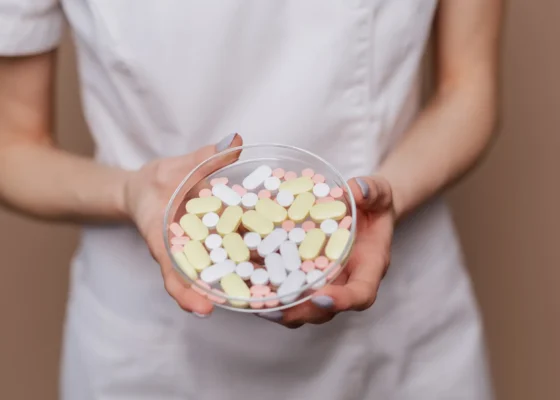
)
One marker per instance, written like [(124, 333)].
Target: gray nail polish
[(225, 142), (201, 315), (323, 301), (364, 187), (275, 316)]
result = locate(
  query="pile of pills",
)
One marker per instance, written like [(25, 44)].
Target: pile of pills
[(263, 239)]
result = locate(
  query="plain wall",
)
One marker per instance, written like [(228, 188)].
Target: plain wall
[(506, 213)]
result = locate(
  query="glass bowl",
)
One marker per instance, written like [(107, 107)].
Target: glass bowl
[(235, 164)]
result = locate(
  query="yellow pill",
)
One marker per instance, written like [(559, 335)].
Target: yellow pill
[(235, 247), (337, 243), (297, 186), (312, 245), (197, 255), (271, 210), (332, 210), (203, 205), (193, 227), (185, 265), (299, 209), (230, 220), (234, 286), (256, 222)]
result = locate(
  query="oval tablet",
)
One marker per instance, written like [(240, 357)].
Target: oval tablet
[(185, 266), (337, 243), (272, 242), (256, 222), (301, 206), (234, 286), (215, 272), (203, 205), (298, 185), (271, 210), (290, 255), (293, 282), (226, 194), (197, 255), (312, 245), (257, 177), (193, 226), (230, 220), (236, 247), (275, 267), (333, 210)]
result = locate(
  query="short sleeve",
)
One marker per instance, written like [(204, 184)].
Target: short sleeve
[(29, 26)]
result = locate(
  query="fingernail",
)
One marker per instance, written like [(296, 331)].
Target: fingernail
[(364, 187), (323, 301), (275, 316), (201, 315), (225, 142)]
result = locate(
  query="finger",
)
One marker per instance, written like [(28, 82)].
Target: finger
[(202, 154), (371, 193), (306, 313), (186, 298)]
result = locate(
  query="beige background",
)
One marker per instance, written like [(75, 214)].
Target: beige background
[(506, 212)]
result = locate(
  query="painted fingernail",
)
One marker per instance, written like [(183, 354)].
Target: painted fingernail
[(323, 301), (225, 142), (201, 315), (364, 187), (275, 316)]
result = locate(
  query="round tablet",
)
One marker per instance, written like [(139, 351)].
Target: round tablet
[(272, 183), (252, 240), (296, 235), (279, 173), (307, 266), (321, 190), (317, 277), (327, 199), (260, 290), (308, 172), (259, 277), (285, 198), (308, 225), (264, 194), (321, 262), (205, 193), (240, 190), (337, 192), (273, 302), (213, 241), (244, 270), (318, 178), (288, 225), (290, 175), (329, 226), (218, 255), (249, 200), (210, 220)]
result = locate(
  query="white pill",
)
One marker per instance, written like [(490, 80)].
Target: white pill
[(321, 190), (210, 220), (329, 226), (252, 240), (249, 200), (257, 177), (290, 255), (296, 235), (293, 282), (259, 277), (318, 276), (218, 255), (272, 183), (272, 242), (285, 198), (213, 241), (226, 194), (244, 270), (275, 267), (214, 273)]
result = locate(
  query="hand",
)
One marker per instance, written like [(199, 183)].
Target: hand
[(146, 194), (356, 286)]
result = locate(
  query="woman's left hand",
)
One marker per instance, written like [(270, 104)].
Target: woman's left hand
[(356, 286)]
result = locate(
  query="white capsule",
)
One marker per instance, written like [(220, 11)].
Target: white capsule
[(275, 267), (272, 242), (213, 241), (252, 240), (296, 235), (290, 255), (321, 190), (293, 282), (244, 270), (218, 255), (257, 177), (259, 277), (210, 220), (285, 198), (318, 277), (226, 194), (214, 273), (272, 184), (329, 226), (249, 200)]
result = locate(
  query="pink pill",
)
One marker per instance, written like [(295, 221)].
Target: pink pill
[(334, 272), (308, 225), (327, 199), (260, 290), (240, 190), (180, 240), (264, 194), (308, 172), (256, 305), (198, 289), (216, 298), (272, 303), (205, 193), (337, 192), (318, 178), (346, 222), (321, 262), (279, 173), (176, 229), (288, 225), (290, 175), (176, 248), (307, 266)]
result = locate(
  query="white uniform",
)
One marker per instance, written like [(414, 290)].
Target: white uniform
[(337, 77)]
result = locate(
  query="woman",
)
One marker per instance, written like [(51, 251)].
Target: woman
[(161, 83)]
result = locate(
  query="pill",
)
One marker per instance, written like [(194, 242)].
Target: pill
[(176, 248), (217, 296), (308, 172), (200, 206), (256, 305), (219, 181), (321, 190), (318, 178), (307, 266), (288, 225), (296, 235), (256, 222), (334, 210), (210, 220), (257, 177), (290, 176), (288, 291), (308, 225), (180, 240), (230, 220), (214, 273), (337, 243), (301, 206), (240, 190), (252, 240), (218, 255), (205, 193), (272, 302), (337, 192), (327, 199), (197, 255), (185, 266), (244, 270), (297, 186), (316, 278), (176, 229), (278, 173), (345, 223), (264, 194), (234, 286), (271, 210), (312, 245), (322, 262), (334, 272), (193, 226), (235, 247), (260, 290), (213, 241), (272, 183), (259, 277), (249, 200), (200, 290), (272, 242), (226, 194), (290, 255), (329, 226), (285, 198), (275, 267)]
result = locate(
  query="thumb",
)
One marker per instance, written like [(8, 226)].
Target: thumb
[(202, 154), (372, 193)]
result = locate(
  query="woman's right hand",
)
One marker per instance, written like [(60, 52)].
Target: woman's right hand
[(146, 194)]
